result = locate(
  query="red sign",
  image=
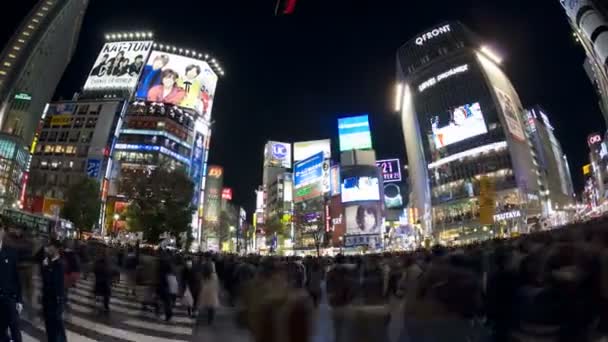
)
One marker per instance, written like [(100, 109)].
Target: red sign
[(227, 194)]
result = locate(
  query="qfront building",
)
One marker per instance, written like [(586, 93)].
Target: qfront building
[(471, 166), (31, 65)]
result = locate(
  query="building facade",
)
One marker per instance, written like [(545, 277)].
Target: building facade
[(589, 22), (73, 141), (461, 118), (556, 189), (31, 66)]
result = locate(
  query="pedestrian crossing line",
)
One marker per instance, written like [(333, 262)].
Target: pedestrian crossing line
[(160, 327), (35, 331), (117, 332)]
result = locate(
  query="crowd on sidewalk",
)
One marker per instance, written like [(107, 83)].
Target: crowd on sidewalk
[(547, 286)]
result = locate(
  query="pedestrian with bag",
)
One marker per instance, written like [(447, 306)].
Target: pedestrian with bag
[(191, 283)]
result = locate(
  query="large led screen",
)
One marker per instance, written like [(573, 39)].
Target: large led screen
[(456, 125), (354, 133), (355, 189), (308, 171), (278, 154), (363, 219), (118, 66), (178, 80)]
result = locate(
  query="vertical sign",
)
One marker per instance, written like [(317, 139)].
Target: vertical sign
[(487, 200)]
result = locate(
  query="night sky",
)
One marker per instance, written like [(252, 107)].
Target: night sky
[(290, 78)]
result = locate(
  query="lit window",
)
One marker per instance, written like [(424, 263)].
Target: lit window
[(7, 64), (16, 48), (71, 164), (35, 20), (2, 72), (10, 55), (50, 3), (43, 163), (21, 40), (44, 8), (25, 33), (54, 164), (40, 14), (31, 27)]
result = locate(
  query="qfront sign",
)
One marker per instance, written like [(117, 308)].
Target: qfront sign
[(433, 34)]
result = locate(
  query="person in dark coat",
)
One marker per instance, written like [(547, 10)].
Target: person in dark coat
[(103, 280), (53, 293), (10, 291), (163, 291), (191, 280)]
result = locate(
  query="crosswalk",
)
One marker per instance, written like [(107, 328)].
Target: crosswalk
[(126, 322)]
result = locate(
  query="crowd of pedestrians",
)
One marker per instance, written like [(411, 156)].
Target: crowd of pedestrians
[(547, 286)]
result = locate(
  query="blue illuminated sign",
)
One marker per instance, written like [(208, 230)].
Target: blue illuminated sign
[(309, 170), (354, 133)]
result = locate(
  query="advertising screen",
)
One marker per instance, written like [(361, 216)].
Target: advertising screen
[(178, 80), (456, 125), (391, 170), (278, 154), (354, 133), (196, 165), (213, 192), (308, 171), (392, 196), (335, 181), (363, 219), (355, 189), (118, 66), (306, 149), (510, 112)]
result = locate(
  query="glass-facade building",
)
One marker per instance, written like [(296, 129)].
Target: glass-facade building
[(462, 122)]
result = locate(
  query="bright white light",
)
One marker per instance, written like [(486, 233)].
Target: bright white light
[(131, 35), (161, 46), (181, 50), (138, 35), (468, 153), (113, 36), (200, 55), (174, 48), (149, 34), (107, 37), (206, 56), (398, 96), (119, 36), (213, 61), (488, 52)]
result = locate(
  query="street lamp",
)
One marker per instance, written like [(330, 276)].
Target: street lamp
[(116, 218)]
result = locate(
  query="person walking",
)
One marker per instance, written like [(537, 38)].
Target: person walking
[(53, 293), (103, 281), (210, 292), (165, 287), (10, 291), (191, 283)]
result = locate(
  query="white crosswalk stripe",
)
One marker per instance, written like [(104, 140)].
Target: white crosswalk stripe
[(126, 322)]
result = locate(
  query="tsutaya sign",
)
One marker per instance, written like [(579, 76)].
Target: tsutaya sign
[(508, 215), (434, 80), (433, 34)]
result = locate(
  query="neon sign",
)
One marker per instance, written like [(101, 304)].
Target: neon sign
[(433, 34)]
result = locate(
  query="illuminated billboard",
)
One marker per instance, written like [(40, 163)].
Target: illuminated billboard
[(392, 195), (118, 66), (306, 149), (456, 125), (227, 194), (511, 115), (311, 178), (391, 170), (213, 193), (354, 133), (277, 154), (364, 219), (360, 188), (178, 80), (335, 181)]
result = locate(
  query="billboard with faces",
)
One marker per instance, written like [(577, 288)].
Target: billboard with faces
[(118, 66), (178, 80)]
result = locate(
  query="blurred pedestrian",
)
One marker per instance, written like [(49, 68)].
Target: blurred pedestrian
[(191, 282), (103, 280), (210, 292), (10, 291), (53, 293)]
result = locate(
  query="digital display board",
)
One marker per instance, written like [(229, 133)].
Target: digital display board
[(390, 169), (392, 196), (458, 124), (364, 219), (178, 80), (335, 181), (511, 116), (354, 133), (306, 149), (308, 171), (360, 188), (213, 193), (118, 66), (278, 154)]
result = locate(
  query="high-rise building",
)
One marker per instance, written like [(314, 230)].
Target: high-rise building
[(31, 65), (470, 164), (556, 190), (73, 142), (589, 21)]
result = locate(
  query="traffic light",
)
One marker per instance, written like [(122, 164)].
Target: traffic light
[(285, 7)]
